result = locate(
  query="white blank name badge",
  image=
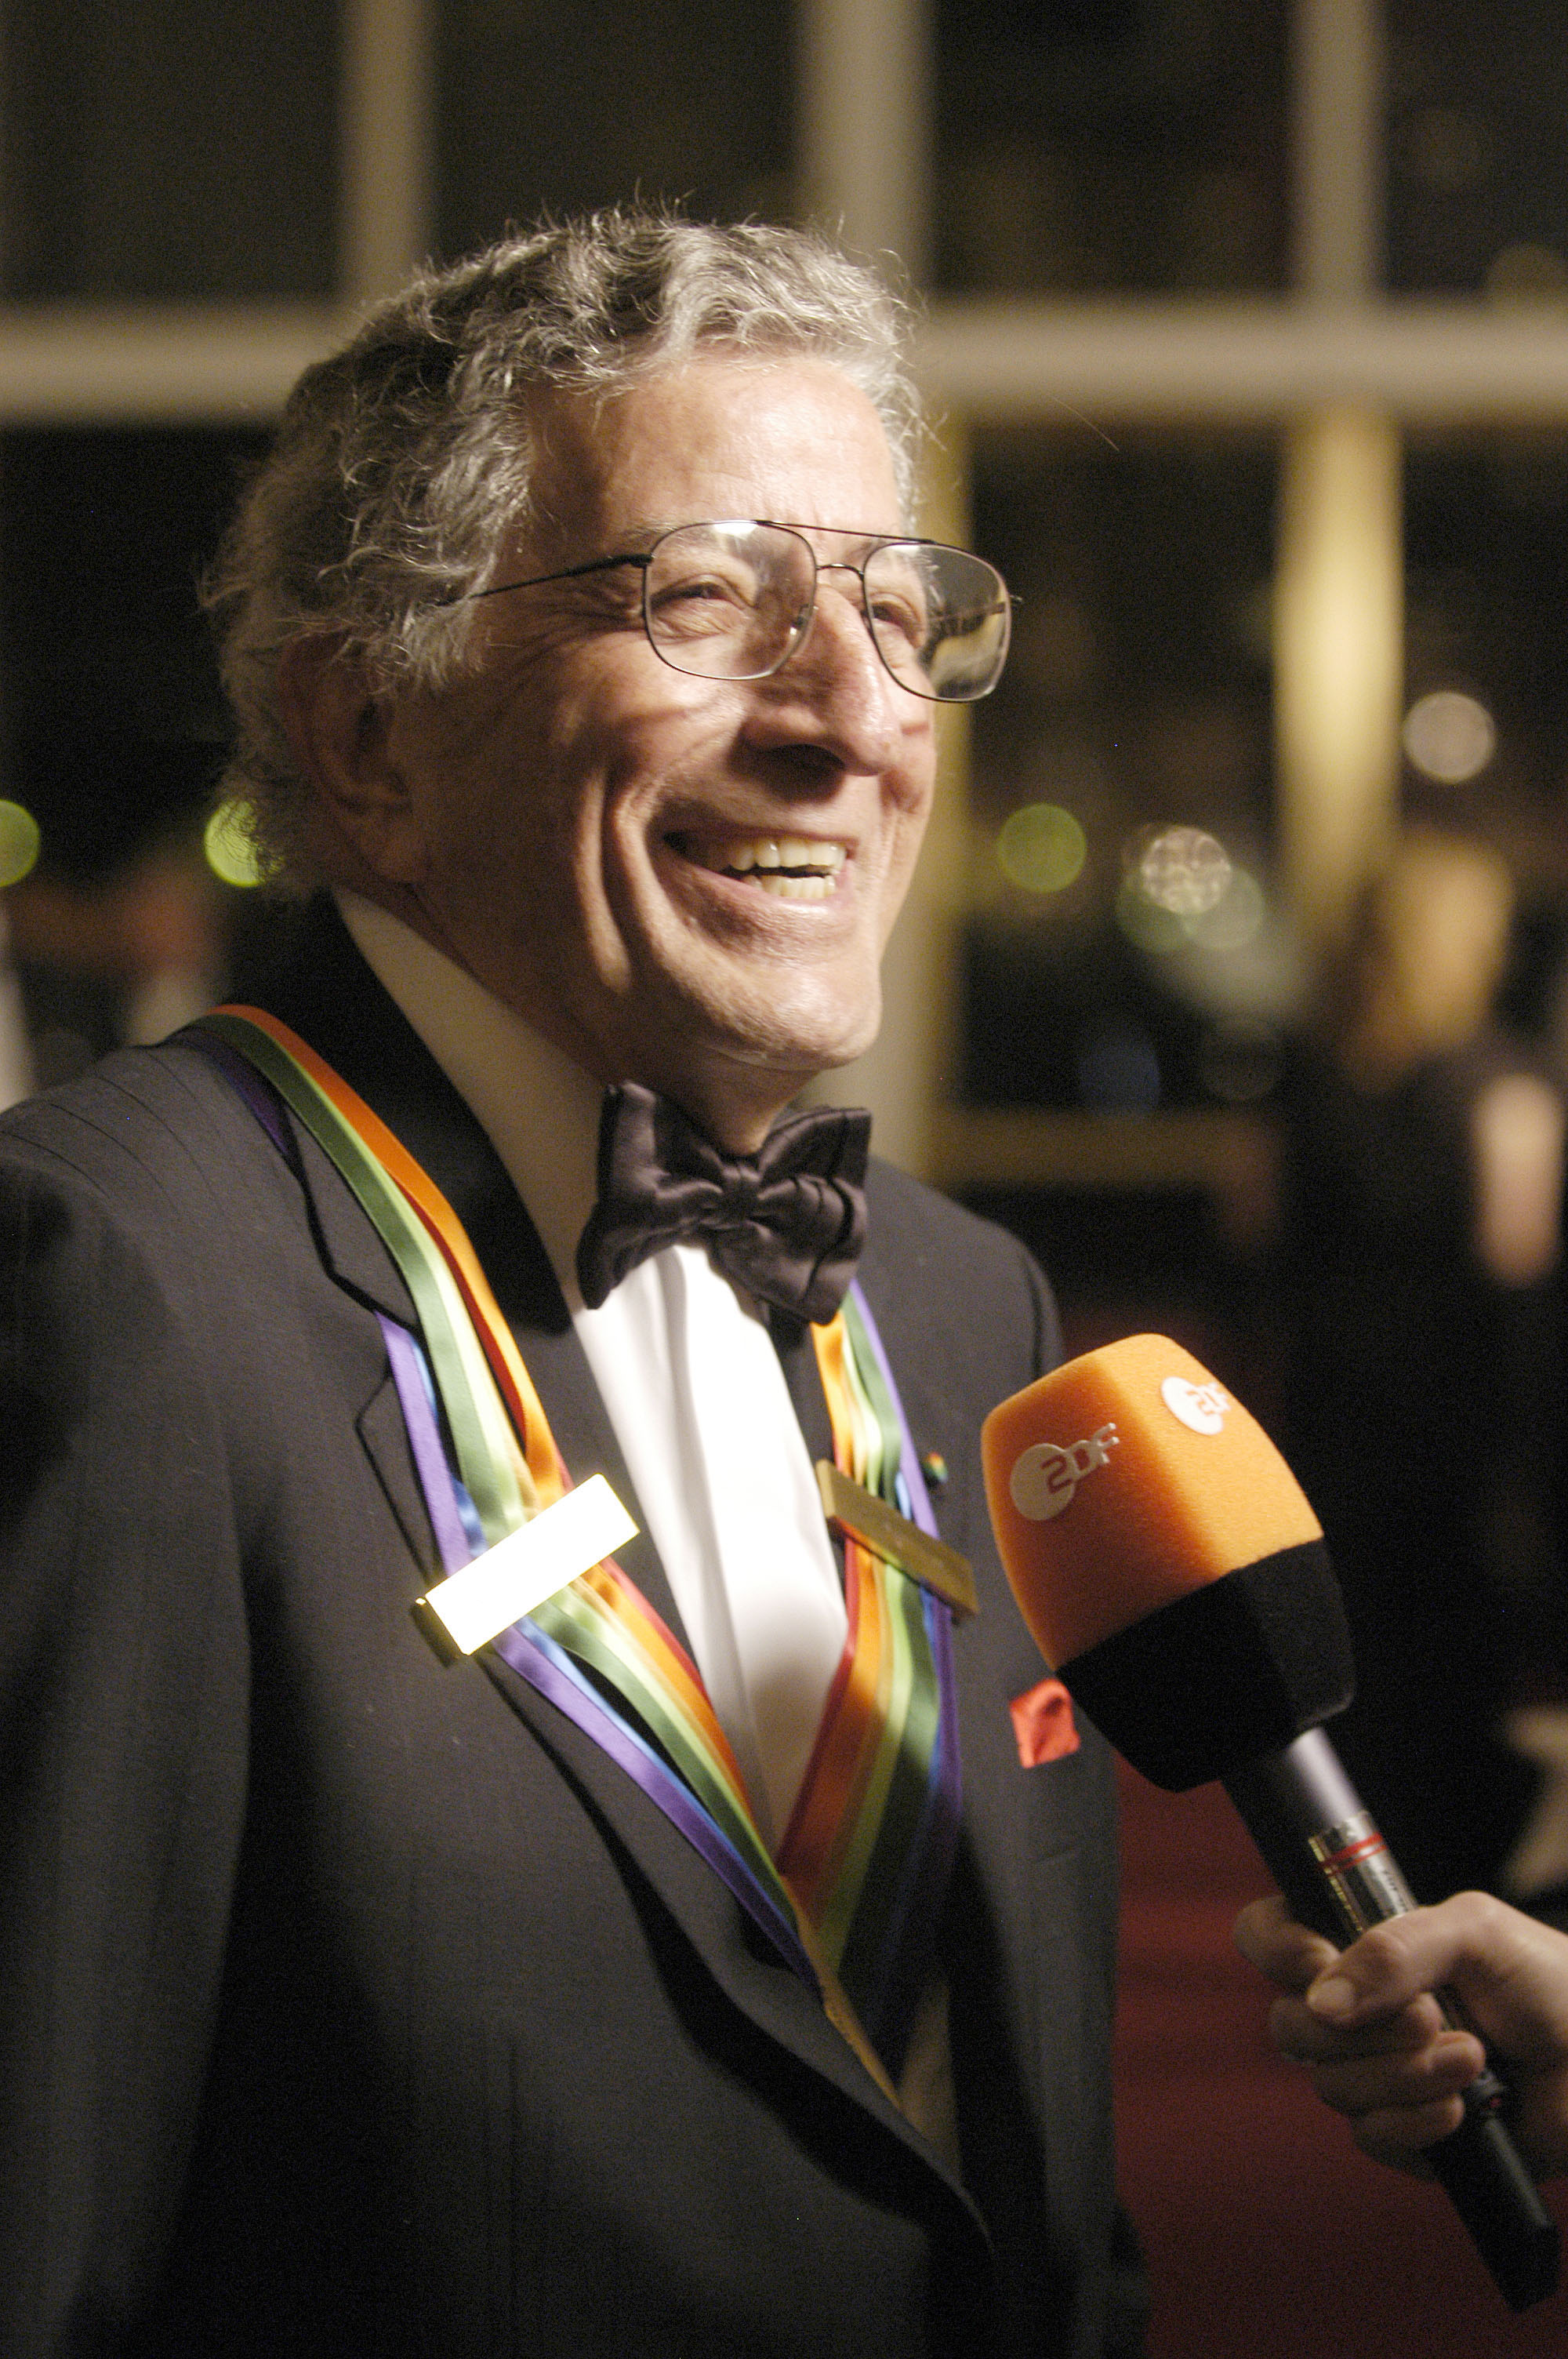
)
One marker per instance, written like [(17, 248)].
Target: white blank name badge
[(584, 1526)]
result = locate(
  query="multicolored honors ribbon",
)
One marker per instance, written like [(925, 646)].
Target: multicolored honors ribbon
[(853, 1901), (869, 1844)]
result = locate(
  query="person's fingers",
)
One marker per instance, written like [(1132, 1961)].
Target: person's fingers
[(1364, 2086), (1401, 2138), (1300, 2032), (1269, 1939), (1510, 1971)]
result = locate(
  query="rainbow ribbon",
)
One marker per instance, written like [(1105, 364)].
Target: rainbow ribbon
[(852, 1899)]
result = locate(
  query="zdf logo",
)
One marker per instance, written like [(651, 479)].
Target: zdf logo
[(1200, 1408), (1045, 1475)]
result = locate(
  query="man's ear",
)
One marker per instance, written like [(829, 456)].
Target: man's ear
[(338, 726)]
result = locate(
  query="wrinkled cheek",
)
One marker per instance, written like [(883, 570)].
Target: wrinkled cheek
[(902, 872), (600, 933)]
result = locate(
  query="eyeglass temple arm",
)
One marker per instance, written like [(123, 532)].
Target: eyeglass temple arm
[(568, 574)]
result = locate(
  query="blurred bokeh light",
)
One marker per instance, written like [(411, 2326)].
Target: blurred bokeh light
[(1181, 869), (20, 841), (1449, 736), (1042, 847), (231, 851)]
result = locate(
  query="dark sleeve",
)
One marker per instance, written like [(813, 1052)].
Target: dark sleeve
[(122, 1741)]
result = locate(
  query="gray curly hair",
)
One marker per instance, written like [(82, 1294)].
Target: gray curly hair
[(402, 463)]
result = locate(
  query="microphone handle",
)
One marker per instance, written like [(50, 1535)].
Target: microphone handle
[(1323, 1850)]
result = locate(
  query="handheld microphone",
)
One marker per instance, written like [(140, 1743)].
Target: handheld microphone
[(1173, 1576)]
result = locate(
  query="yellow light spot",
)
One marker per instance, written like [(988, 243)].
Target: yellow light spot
[(1042, 847), (20, 839), (231, 855)]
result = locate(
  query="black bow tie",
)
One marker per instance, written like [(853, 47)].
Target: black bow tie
[(788, 1222)]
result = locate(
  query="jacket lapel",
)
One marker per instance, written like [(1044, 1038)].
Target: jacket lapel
[(326, 993)]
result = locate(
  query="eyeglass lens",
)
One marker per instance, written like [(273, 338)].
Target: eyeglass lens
[(735, 600)]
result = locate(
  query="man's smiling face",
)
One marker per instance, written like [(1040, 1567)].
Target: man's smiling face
[(684, 882)]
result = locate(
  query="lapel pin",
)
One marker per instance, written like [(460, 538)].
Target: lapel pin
[(852, 1509)]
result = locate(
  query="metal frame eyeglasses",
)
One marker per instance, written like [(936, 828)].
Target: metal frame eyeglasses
[(735, 600)]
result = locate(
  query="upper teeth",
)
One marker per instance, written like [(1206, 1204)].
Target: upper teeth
[(768, 852)]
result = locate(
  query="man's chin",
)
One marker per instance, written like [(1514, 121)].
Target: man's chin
[(740, 1078), (796, 1052)]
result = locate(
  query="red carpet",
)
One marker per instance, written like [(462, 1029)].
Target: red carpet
[(1268, 2235)]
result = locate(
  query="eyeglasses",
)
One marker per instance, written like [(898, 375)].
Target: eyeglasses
[(735, 600)]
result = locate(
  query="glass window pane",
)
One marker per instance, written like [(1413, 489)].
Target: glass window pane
[(1487, 620), (1118, 944), (114, 717), (170, 152), (1110, 144), (1477, 148), (530, 114)]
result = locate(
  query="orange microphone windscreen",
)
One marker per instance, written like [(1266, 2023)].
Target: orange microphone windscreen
[(1124, 1481)]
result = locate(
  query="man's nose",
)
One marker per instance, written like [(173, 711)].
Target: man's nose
[(836, 691)]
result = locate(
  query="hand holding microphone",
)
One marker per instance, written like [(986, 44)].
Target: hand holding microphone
[(1174, 1577), (1378, 2049)]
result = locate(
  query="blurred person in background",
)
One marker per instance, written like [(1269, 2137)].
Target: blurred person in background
[(1425, 1401)]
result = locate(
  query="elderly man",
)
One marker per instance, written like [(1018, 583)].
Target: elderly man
[(715, 1957)]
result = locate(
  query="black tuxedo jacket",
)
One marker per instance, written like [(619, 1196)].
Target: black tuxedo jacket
[(351, 2005)]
